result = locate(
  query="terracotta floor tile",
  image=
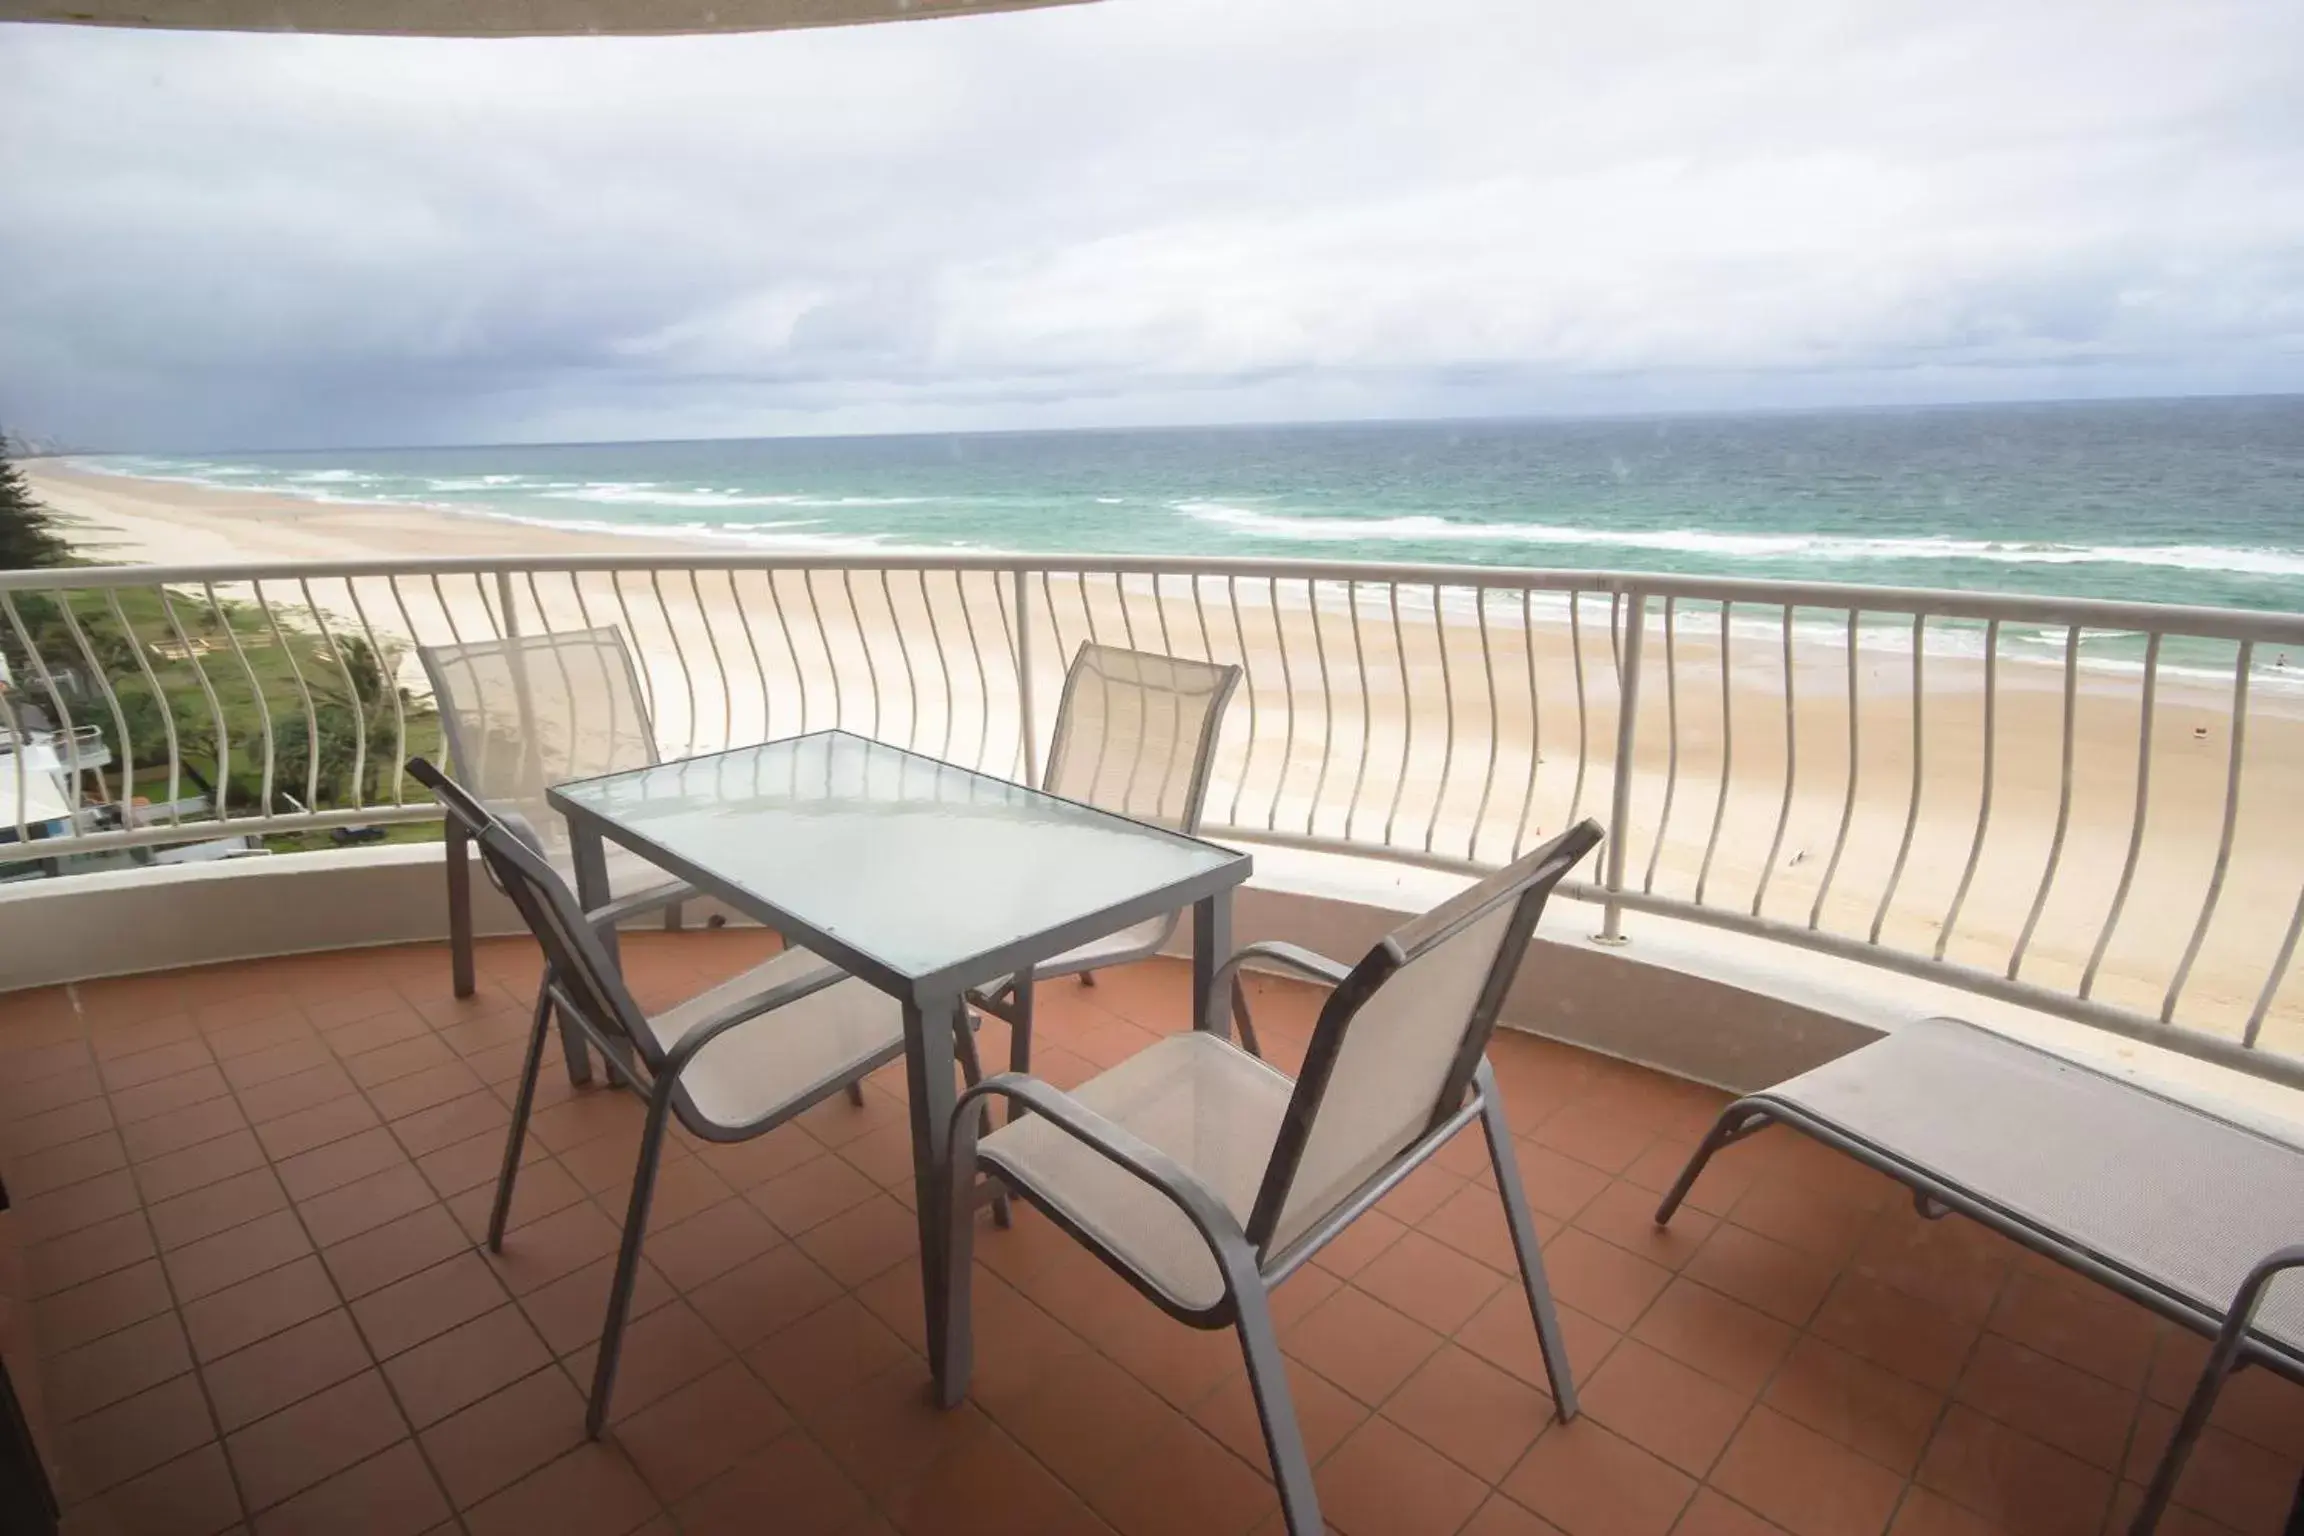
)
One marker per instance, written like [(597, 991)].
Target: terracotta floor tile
[(471, 1163), (1084, 1419), (1504, 1334), (862, 1241), (313, 1440), (686, 1438), (1601, 1279), (298, 1053), (287, 1367), (1762, 1273), (1805, 1483), (309, 1175), (226, 1258), (503, 1437), (986, 1486), (58, 1167), (427, 1304), (89, 1312), (1952, 1263), (2081, 1325), (1931, 1514), (117, 1366), (1384, 1482), (394, 1251), (1590, 1482), (365, 1204), (1471, 1221), (2012, 1479), (1183, 1484), (190, 1496), (760, 1296), (340, 1009), (1663, 1406), (92, 1252), (542, 1189), (664, 1350), (2051, 1401), (315, 1127), (391, 1494), (1478, 1416), (145, 1066), (239, 1315), (1860, 1405), (235, 1040), (569, 1312), (1911, 1337), (811, 1193), (194, 1167), (442, 1125), (886, 1431), (133, 1436), (1625, 1214), (321, 1082), (592, 1491), (1597, 1134), (2241, 1485), (419, 1091), (810, 1362), (1325, 1414), (792, 1476), (197, 1086), (592, 1112), (36, 1133), (387, 1063), (747, 1164), (1799, 1216), (465, 1364), (75, 1206), (551, 1246), (710, 1243), (1499, 1516), (1359, 1244), (217, 1207), (379, 1029), (1432, 1283), (1360, 1344)]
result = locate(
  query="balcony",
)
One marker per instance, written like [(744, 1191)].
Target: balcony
[(248, 1197), (248, 1193)]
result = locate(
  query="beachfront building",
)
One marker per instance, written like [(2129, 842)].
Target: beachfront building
[(253, 1110)]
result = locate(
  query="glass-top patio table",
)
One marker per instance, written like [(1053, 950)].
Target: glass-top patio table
[(923, 879)]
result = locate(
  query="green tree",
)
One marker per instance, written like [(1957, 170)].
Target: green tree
[(28, 535)]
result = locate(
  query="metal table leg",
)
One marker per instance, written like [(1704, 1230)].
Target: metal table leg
[(928, 1067), (1211, 944), (591, 859)]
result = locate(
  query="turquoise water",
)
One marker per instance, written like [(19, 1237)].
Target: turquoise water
[(2175, 501)]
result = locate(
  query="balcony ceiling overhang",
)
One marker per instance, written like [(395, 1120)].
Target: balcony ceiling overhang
[(496, 18)]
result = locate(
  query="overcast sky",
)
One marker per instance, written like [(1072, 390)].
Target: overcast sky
[(1143, 211)]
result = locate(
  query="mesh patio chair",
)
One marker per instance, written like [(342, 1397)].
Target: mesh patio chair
[(521, 714), (733, 1062), (1205, 1177), (1136, 735)]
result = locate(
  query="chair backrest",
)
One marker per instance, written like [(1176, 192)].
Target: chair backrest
[(524, 712), (584, 980), (1136, 733), (1396, 1046)]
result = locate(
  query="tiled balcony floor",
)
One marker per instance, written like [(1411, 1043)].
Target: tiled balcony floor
[(248, 1198)]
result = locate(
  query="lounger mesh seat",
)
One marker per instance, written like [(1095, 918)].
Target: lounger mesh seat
[(2174, 1198)]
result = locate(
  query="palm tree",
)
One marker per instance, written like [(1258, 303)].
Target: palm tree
[(28, 535)]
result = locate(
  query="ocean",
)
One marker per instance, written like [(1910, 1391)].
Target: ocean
[(2192, 501)]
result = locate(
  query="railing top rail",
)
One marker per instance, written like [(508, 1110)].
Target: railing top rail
[(2262, 626)]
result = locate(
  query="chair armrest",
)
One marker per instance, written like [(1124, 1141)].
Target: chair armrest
[(1294, 957), (654, 898), (744, 1011), (1114, 1143)]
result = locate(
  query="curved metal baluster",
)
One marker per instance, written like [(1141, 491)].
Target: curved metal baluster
[(215, 705), (17, 736), (2240, 677), (1535, 726), (2279, 972), (572, 765), (1583, 716), (102, 679), (1248, 686), (824, 640), (303, 692), (1407, 710), (1327, 708), (1727, 748), (1160, 614), (2063, 803), (1847, 806), (1919, 747), (1448, 728), (1119, 601), (679, 655), (1671, 737), (388, 679), (904, 651), (1791, 765), (976, 658), (719, 662), (255, 690), (943, 667), (479, 769), (1019, 646), (1495, 728), (352, 697), (1143, 706), (1367, 707), (791, 651), (55, 700), (1984, 799), (439, 716), (1200, 620), (752, 649), (647, 724), (159, 701), (1087, 614), (647, 673), (1287, 702), (2143, 805)]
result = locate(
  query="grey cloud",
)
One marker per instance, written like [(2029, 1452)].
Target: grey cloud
[(1146, 210)]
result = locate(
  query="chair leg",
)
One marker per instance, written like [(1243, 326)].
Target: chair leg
[(856, 1093), (459, 864), (522, 1100), (959, 1256), (1087, 978), (1243, 1022), (1736, 1122), (972, 1073), (1498, 1130), (2223, 1359), (628, 1258), (1276, 1412)]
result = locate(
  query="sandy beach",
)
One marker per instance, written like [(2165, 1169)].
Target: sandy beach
[(1439, 733)]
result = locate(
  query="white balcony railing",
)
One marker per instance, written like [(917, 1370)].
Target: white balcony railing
[(2086, 807)]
